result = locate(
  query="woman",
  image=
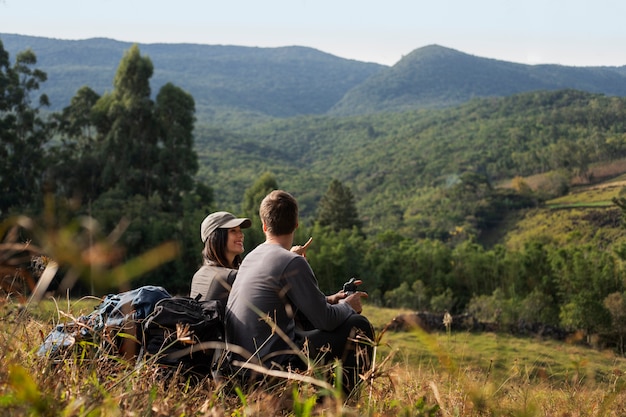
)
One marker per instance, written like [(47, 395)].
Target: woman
[(223, 245)]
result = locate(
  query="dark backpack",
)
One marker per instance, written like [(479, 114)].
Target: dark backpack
[(185, 333)]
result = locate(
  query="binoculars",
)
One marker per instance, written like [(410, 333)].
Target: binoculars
[(350, 287)]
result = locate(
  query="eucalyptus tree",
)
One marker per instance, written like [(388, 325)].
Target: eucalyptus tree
[(127, 140), (77, 161), (177, 161), (131, 156), (23, 132), (130, 132), (586, 276)]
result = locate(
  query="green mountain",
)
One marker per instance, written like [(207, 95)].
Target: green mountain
[(238, 85), (276, 82), (434, 76)]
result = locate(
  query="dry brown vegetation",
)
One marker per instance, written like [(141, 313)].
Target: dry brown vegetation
[(416, 374)]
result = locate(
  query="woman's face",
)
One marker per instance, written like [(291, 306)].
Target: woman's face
[(234, 243)]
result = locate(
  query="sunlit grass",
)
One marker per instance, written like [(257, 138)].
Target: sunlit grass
[(593, 196), (570, 226), (60, 309), (500, 354), (458, 374)]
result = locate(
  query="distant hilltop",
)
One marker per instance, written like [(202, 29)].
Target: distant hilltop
[(293, 81)]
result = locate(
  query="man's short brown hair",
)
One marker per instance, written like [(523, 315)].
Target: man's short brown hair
[(279, 212)]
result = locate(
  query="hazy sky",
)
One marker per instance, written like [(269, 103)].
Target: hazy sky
[(573, 32)]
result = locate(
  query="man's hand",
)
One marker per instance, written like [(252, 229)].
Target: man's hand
[(335, 298), (301, 249), (354, 300)]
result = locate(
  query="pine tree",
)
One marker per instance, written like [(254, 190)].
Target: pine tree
[(337, 209)]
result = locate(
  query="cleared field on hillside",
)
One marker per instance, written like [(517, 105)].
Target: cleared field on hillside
[(609, 174)]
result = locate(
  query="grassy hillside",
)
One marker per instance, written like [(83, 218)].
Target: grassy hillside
[(586, 215), (494, 355)]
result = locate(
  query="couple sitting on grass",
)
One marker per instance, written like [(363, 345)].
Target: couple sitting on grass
[(275, 313)]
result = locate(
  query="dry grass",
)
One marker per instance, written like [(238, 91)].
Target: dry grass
[(417, 374)]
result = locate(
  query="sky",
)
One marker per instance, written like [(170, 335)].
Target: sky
[(573, 32)]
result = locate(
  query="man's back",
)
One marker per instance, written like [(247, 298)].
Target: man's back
[(273, 283)]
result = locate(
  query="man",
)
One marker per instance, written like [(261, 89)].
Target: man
[(275, 285)]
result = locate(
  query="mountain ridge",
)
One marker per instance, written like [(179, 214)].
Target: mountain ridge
[(274, 82), (435, 76), (241, 84)]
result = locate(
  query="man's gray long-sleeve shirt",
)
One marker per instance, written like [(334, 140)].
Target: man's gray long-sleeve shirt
[(275, 283)]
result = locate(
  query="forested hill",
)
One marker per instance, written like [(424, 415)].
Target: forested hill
[(427, 171), (434, 76), (279, 82), (241, 85)]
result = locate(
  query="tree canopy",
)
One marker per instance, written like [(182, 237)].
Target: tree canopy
[(121, 158), (23, 132)]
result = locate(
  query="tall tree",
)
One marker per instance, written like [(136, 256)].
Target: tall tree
[(586, 276), (23, 132), (337, 209), (615, 303), (177, 159), (77, 160), (336, 257), (131, 157), (127, 141), (131, 145), (253, 195)]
